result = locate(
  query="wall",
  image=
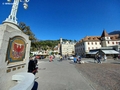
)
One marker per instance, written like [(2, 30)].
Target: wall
[(7, 69)]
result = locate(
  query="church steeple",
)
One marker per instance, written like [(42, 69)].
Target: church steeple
[(104, 38), (104, 33)]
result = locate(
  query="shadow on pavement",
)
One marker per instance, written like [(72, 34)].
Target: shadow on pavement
[(59, 60), (35, 87), (91, 62), (115, 62), (72, 62)]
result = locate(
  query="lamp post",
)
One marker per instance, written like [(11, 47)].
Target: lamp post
[(12, 17)]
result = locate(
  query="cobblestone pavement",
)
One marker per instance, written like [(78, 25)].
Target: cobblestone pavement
[(105, 76)]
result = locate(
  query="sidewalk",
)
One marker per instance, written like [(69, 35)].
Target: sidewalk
[(62, 75)]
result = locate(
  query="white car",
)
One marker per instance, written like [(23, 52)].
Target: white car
[(71, 58)]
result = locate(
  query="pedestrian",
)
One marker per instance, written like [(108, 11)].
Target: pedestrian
[(50, 58), (65, 57), (115, 57), (36, 63), (75, 59), (32, 66), (53, 57), (61, 57), (95, 59), (105, 57), (79, 59), (99, 58)]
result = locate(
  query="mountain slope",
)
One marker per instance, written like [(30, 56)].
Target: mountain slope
[(114, 32)]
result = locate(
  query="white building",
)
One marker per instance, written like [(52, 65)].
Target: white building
[(96, 42), (67, 48)]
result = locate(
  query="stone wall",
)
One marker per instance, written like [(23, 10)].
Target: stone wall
[(7, 69)]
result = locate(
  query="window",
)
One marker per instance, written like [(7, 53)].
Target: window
[(95, 43), (108, 42), (112, 42), (92, 43), (88, 43), (88, 48), (83, 48), (92, 47), (116, 42)]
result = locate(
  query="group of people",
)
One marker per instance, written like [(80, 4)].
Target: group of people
[(77, 59), (63, 57), (33, 65), (98, 58)]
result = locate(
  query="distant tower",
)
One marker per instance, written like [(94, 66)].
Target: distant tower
[(61, 41), (60, 46), (104, 38)]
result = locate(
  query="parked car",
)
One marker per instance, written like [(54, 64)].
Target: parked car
[(70, 58)]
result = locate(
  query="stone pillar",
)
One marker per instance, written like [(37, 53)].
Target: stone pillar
[(14, 54)]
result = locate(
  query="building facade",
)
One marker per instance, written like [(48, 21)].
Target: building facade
[(67, 47), (96, 42)]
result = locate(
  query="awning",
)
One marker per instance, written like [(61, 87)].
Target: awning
[(110, 52), (92, 52)]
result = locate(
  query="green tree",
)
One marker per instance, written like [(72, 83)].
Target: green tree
[(26, 29)]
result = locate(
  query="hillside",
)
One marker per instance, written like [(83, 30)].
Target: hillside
[(114, 32)]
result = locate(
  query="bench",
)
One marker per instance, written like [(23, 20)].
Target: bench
[(25, 81)]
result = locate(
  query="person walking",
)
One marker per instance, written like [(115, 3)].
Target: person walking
[(32, 66), (79, 59), (105, 57), (50, 58), (65, 57), (95, 59), (99, 58), (75, 59), (53, 57), (61, 57)]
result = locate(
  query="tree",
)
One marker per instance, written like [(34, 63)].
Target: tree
[(26, 29)]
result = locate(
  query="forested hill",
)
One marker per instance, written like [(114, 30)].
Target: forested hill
[(50, 44), (114, 32)]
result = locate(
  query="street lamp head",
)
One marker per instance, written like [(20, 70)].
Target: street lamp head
[(25, 5), (12, 17)]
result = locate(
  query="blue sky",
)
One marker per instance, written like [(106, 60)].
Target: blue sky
[(69, 19)]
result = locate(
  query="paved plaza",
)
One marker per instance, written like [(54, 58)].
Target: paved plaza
[(60, 75)]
